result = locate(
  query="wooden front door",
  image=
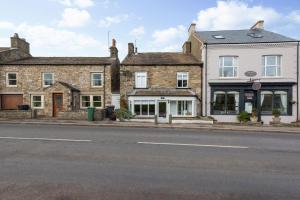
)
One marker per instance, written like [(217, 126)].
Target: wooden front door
[(57, 103)]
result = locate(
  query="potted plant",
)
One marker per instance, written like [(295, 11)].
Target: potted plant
[(253, 117), (276, 116), (243, 117)]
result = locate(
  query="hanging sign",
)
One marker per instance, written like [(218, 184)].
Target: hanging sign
[(256, 86), (250, 73)]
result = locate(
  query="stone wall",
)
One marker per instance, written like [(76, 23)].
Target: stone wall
[(16, 114), (160, 77), (29, 81), (81, 115)]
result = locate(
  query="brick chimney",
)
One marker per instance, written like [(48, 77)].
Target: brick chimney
[(130, 49), (258, 25), (113, 49), (192, 28), (20, 43), (187, 47)]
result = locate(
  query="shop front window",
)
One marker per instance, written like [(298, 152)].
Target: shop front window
[(271, 100), (181, 108), (226, 102), (144, 108)]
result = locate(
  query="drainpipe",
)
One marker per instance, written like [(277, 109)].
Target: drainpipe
[(206, 79), (298, 81)]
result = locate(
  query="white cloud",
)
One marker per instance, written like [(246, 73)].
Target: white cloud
[(110, 20), (84, 3), (76, 3), (295, 16), (169, 35), (234, 15), (6, 25), (73, 17), (138, 31)]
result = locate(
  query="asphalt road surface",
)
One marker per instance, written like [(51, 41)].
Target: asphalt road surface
[(43, 162)]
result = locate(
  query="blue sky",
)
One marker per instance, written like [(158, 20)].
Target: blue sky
[(80, 27)]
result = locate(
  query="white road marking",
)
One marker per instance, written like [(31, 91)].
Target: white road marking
[(194, 145), (45, 139)]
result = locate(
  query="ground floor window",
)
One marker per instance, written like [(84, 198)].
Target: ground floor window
[(37, 101), (271, 100), (226, 102), (181, 108), (144, 108), (91, 101)]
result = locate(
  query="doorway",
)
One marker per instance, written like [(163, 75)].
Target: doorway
[(162, 112), (57, 103)]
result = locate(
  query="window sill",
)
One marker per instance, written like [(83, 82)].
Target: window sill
[(142, 88), (183, 88), (11, 86)]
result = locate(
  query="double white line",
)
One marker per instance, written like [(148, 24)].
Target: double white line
[(194, 145)]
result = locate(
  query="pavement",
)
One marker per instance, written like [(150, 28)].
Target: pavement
[(108, 123), (50, 162)]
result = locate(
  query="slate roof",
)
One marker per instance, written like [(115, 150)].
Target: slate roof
[(62, 61), (162, 92), (242, 36), (162, 58)]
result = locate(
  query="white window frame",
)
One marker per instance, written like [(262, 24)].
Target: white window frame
[(145, 102), (91, 101), (7, 79), (42, 101), (184, 104), (139, 81), (277, 65), (92, 79), (181, 75), (234, 66), (43, 76)]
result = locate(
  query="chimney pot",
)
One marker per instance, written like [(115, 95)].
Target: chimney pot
[(258, 25)]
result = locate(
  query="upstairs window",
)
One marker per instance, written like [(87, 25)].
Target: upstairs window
[(228, 67), (182, 79), (96, 79), (141, 79), (48, 79), (11, 79), (271, 66)]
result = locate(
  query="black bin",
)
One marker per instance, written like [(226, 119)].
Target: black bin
[(23, 107), (110, 111)]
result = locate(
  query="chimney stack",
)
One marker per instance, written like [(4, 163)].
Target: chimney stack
[(20, 43), (113, 49), (258, 25), (192, 28), (187, 47), (130, 49)]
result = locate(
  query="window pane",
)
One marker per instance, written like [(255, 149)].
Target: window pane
[(96, 76), (228, 72), (48, 76), (271, 71), (97, 104), (189, 108), (280, 102), (152, 109), (37, 104), (96, 98), (12, 76), (85, 98), (267, 103), (228, 61), (180, 108), (137, 109), (12, 82), (173, 108), (232, 103), (144, 109), (36, 98), (271, 60), (184, 83), (219, 104)]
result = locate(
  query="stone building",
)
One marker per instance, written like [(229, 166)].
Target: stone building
[(161, 84), (56, 86)]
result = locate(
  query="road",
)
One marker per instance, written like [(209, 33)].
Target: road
[(81, 163)]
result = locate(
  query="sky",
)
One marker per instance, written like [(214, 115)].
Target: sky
[(82, 27)]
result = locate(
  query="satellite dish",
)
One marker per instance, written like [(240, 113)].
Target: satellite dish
[(256, 86)]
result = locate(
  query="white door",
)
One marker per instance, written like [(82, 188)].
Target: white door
[(115, 101), (162, 116)]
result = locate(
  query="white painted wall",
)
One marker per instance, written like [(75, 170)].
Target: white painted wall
[(250, 59)]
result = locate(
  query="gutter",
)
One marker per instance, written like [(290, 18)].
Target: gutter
[(206, 79), (298, 81)]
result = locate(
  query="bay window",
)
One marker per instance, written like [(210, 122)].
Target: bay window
[(144, 108), (181, 108)]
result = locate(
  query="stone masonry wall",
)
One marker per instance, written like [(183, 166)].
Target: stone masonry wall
[(160, 77)]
